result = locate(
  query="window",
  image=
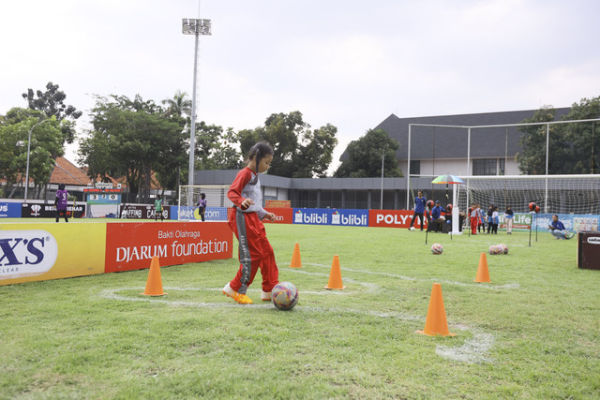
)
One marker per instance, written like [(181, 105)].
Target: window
[(488, 166), (415, 167)]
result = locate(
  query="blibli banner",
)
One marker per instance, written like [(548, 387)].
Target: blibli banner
[(193, 213), (131, 246), (312, 216), (350, 217), (37, 252)]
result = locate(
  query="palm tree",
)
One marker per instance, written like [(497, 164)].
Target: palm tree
[(179, 105)]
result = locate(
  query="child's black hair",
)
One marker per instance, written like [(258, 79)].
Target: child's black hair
[(202, 196), (61, 186), (259, 151)]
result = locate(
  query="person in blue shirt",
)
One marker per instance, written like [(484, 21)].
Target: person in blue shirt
[(420, 202), (558, 229), (436, 218)]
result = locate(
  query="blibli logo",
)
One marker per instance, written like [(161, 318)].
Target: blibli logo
[(26, 253), (335, 218)]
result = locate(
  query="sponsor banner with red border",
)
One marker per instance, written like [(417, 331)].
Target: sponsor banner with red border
[(282, 215), (131, 246), (278, 204), (392, 218)]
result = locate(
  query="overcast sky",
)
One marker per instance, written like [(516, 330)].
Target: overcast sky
[(346, 62)]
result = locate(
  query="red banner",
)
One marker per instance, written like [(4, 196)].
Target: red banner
[(131, 246), (393, 218), (282, 215)]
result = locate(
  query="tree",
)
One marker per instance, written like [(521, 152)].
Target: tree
[(133, 138), (364, 156), (298, 151), (51, 103), (46, 145), (215, 149), (573, 148), (179, 105)]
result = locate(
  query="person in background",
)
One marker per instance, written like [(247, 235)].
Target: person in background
[(508, 218), (202, 205), (420, 203), (481, 222), (558, 229), (436, 218), (62, 197), (475, 218), (495, 220), (490, 211), (158, 208)]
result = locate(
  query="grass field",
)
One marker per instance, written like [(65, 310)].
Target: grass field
[(532, 333)]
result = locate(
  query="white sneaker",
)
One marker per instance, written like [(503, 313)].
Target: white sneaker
[(265, 296), (228, 290)]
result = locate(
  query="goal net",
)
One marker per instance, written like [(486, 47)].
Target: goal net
[(216, 202), (556, 194)]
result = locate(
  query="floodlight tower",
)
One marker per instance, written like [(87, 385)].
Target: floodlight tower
[(194, 27)]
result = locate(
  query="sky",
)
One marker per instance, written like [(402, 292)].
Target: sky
[(345, 62)]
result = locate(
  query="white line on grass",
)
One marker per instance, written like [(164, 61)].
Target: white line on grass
[(410, 278), (473, 350)]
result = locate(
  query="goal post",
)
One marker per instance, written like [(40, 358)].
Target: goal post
[(216, 199), (556, 194)]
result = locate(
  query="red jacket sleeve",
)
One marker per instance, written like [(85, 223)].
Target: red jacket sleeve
[(235, 190)]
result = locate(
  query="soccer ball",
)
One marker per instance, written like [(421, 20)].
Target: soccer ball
[(437, 248), (412, 228), (495, 249), (504, 248), (285, 295)]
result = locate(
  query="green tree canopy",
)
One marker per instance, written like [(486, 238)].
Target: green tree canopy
[(573, 148), (46, 145), (299, 151), (363, 156), (52, 103), (132, 138)]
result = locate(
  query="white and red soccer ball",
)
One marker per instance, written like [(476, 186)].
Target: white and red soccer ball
[(437, 248), (284, 295)]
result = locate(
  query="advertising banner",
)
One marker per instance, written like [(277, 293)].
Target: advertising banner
[(312, 216), (278, 204), (132, 245), (10, 210), (193, 213), (282, 215), (34, 210), (37, 252), (142, 211), (350, 217), (572, 222), (521, 221), (393, 218)]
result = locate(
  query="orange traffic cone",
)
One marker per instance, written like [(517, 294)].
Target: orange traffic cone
[(154, 282), (296, 261), (483, 275), (436, 323), (335, 276)]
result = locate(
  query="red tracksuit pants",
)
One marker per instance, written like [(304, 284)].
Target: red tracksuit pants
[(474, 222), (254, 252)]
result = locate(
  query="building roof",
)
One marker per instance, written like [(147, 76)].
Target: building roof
[(69, 174), (429, 143)]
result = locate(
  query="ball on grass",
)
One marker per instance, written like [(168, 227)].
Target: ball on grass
[(412, 228), (284, 295), (437, 248), (494, 249)]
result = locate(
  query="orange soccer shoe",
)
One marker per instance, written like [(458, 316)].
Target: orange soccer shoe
[(238, 297)]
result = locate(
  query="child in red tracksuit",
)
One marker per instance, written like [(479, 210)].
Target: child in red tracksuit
[(255, 251)]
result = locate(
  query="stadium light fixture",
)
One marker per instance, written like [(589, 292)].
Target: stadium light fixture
[(196, 27), (28, 151)]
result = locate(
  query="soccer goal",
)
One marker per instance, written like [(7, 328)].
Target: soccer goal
[(216, 199), (557, 194)]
